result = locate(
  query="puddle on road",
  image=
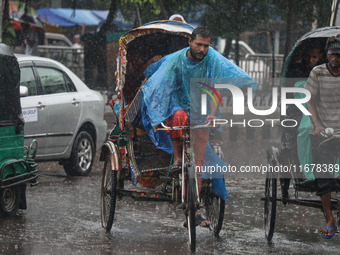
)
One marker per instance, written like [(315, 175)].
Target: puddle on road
[(63, 217)]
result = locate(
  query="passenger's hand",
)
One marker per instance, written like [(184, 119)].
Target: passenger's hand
[(155, 129)]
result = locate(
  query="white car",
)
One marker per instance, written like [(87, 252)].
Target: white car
[(56, 39), (61, 113)]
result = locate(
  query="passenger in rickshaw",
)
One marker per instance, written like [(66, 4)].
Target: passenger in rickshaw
[(141, 55), (312, 55), (323, 83), (309, 55), (166, 96)]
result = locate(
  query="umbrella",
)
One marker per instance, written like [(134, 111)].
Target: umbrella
[(18, 16)]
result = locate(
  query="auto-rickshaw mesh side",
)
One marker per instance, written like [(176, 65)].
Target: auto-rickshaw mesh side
[(9, 85)]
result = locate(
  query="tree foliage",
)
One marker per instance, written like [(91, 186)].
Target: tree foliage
[(150, 10), (301, 16), (229, 18)]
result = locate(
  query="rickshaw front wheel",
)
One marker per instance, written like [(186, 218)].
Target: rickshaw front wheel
[(9, 200), (214, 208)]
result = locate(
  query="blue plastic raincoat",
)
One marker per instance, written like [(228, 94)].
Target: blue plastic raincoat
[(168, 89)]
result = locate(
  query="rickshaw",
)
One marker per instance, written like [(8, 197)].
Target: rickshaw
[(129, 154), (17, 164), (295, 154)]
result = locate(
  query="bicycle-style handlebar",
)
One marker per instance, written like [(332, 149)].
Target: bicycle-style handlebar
[(330, 132), (164, 127)]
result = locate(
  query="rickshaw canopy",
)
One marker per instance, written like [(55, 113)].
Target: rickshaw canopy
[(320, 34), (146, 41)]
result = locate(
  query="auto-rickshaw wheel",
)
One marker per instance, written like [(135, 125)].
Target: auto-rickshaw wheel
[(9, 200), (108, 194)]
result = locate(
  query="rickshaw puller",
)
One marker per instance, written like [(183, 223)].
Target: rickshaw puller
[(323, 83), (167, 91), (198, 48)]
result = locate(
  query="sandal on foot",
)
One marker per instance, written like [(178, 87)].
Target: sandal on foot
[(327, 228), (198, 222)]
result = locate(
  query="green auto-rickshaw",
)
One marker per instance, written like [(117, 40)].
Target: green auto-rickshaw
[(17, 164)]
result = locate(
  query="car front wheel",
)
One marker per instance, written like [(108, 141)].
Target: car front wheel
[(81, 160)]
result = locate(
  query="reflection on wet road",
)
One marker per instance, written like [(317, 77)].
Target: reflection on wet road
[(63, 217)]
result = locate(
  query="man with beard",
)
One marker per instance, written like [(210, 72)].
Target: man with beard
[(323, 83)]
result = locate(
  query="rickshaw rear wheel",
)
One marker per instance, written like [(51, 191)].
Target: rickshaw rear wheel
[(82, 156), (270, 206), (108, 194), (191, 207), (214, 208), (9, 200)]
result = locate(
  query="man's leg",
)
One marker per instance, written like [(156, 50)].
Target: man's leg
[(179, 118), (326, 204), (324, 181), (177, 149), (200, 139)]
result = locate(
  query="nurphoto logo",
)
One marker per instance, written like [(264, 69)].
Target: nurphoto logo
[(239, 109)]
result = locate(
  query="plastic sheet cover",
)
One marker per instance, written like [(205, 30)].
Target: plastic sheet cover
[(168, 88)]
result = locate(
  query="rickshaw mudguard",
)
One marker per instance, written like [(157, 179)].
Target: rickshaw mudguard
[(109, 148)]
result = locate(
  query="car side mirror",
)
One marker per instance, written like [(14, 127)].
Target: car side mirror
[(23, 91)]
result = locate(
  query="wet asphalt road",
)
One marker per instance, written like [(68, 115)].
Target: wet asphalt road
[(63, 217)]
